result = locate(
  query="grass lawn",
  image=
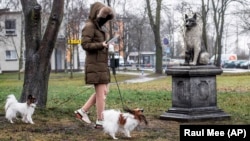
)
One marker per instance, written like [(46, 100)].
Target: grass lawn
[(57, 121)]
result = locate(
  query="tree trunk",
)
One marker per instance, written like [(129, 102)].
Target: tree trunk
[(217, 20), (223, 10), (20, 64), (155, 25), (39, 51), (204, 21), (158, 45), (219, 24)]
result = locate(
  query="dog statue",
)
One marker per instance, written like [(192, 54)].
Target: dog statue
[(195, 53)]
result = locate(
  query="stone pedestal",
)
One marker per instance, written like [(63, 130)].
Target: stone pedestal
[(194, 94)]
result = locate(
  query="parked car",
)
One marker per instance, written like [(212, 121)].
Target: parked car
[(130, 61), (229, 64), (238, 63), (224, 59), (245, 65)]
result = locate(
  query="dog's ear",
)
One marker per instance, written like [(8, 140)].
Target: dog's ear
[(31, 99), (195, 16), (142, 110), (126, 109), (30, 96), (186, 16)]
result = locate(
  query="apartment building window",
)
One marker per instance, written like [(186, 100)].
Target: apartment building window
[(10, 27), (10, 55)]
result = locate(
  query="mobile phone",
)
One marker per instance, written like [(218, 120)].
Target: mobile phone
[(112, 39)]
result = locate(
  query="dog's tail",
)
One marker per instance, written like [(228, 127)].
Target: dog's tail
[(10, 100), (203, 58), (110, 120)]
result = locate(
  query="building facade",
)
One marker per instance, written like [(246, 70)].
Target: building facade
[(12, 45), (10, 40)]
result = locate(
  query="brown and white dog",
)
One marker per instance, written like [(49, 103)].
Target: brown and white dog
[(115, 121), (26, 110)]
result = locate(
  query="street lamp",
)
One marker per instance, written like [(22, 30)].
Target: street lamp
[(248, 44)]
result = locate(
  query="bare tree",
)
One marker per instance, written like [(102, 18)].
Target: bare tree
[(219, 9), (205, 9), (138, 28), (245, 16), (168, 27), (75, 15), (39, 49), (138, 34), (13, 4), (155, 25)]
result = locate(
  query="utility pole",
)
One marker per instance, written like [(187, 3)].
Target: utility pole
[(248, 44)]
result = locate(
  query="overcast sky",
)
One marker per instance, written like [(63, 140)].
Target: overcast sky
[(137, 7)]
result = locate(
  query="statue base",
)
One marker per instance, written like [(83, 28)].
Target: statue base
[(194, 94)]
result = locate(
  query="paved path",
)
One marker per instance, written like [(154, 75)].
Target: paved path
[(228, 70), (143, 79), (140, 77)]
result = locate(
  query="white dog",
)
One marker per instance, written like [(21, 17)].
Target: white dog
[(26, 110), (114, 120)]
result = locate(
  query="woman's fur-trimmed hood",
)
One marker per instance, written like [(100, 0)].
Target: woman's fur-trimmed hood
[(99, 10)]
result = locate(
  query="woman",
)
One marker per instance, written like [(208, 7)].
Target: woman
[(96, 63)]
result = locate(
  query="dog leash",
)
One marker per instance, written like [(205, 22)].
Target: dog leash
[(119, 91), (72, 96)]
